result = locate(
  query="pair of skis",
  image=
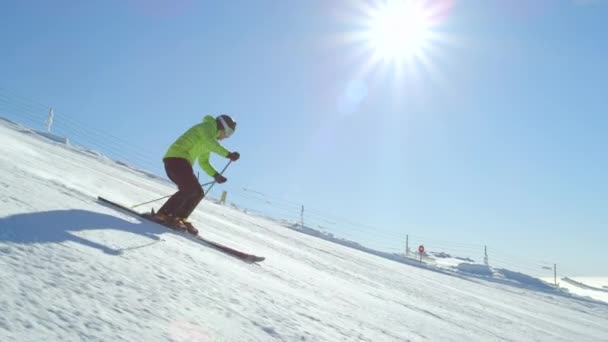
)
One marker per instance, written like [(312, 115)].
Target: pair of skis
[(248, 258)]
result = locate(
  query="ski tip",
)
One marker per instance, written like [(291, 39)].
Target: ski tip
[(255, 259)]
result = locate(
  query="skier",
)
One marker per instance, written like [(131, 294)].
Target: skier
[(197, 142)]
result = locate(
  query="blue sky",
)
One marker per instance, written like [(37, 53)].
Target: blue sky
[(496, 135)]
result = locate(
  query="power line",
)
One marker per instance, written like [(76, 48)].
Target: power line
[(34, 112)]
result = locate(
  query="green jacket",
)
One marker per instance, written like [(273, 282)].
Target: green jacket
[(198, 142)]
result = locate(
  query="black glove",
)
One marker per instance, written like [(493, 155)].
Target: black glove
[(234, 156), (219, 178)]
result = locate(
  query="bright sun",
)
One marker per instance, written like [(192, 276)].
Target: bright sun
[(401, 35), (399, 29)]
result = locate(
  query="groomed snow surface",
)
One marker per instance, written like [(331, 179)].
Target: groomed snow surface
[(74, 270)]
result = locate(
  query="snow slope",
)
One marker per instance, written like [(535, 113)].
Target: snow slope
[(73, 270), (591, 287)]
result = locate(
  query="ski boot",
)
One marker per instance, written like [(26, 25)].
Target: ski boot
[(187, 226), (167, 220)]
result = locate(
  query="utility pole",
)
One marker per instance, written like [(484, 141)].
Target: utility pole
[(49, 120), (485, 252), (555, 274)]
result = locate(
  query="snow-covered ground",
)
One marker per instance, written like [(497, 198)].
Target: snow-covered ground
[(73, 270), (592, 287)]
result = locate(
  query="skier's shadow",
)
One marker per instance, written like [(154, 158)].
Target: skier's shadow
[(56, 226)]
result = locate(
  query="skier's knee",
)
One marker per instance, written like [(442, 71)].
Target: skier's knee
[(196, 192)]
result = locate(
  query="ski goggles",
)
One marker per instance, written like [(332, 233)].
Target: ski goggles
[(227, 129)]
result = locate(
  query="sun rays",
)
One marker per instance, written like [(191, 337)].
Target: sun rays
[(401, 35)]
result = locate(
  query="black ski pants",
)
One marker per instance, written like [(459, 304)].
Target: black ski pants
[(189, 193)]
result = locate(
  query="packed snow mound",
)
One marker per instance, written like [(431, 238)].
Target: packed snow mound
[(53, 137), (585, 286), (71, 269), (478, 269), (588, 287), (525, 280)]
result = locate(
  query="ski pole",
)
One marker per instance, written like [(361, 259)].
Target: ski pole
[(158, 199), (213, 183)]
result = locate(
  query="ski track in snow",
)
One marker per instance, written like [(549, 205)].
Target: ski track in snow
[(71, 269)]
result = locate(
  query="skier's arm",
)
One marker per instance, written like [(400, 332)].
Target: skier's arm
[(203, 162), (212, 144)]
